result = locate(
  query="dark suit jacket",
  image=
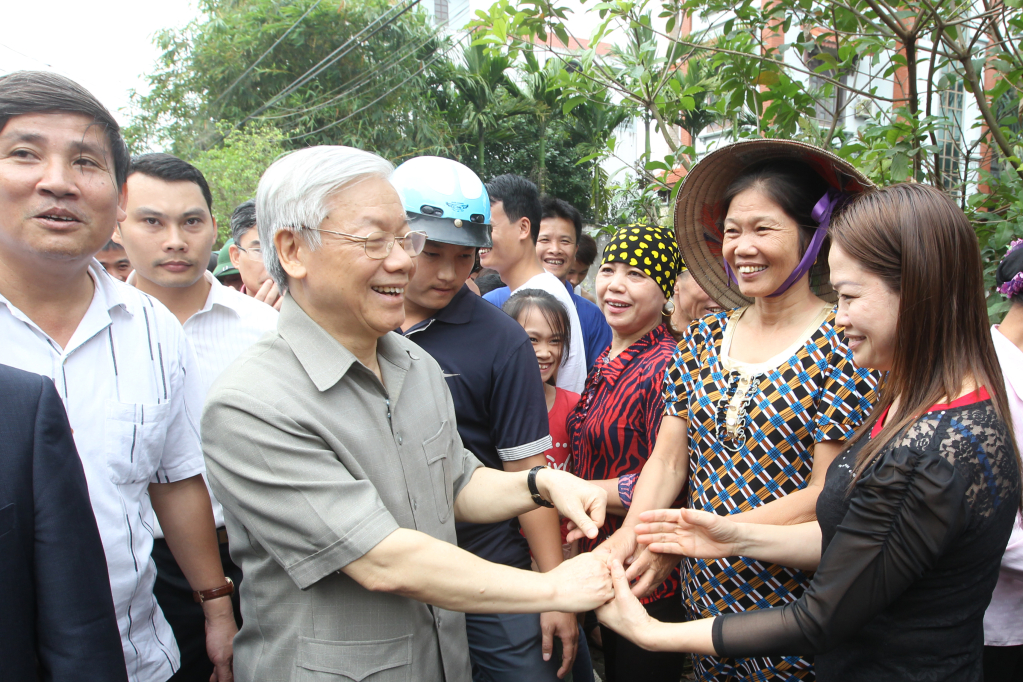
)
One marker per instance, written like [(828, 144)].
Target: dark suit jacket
[(57, 617)]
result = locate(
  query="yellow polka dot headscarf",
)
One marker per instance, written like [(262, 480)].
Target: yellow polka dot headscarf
[(652, 249)]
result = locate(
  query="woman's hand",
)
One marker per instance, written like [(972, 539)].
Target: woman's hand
[(624, 614), (696, 534), (649, 570)]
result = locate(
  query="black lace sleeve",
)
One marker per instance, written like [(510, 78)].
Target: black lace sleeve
[(902, 515)]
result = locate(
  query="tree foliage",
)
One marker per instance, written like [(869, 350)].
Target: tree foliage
[(794, 68)]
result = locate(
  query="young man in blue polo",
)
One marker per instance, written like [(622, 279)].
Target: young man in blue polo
[(561, 230), (495, 384)]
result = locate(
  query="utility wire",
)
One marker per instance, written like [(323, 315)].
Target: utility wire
[(263, 56), (381, 97), (329, 60), (348, 89)]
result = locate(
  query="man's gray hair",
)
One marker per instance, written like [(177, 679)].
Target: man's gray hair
[(294, 191)]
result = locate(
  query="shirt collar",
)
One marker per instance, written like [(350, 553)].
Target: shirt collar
[(220, 295), (326, 361), (109, 290), (610, 371), (459, 310)]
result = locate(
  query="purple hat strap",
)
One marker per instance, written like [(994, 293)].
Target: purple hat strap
[(822, 214)]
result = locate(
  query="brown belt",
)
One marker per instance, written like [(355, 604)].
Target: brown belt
[(222, 536)]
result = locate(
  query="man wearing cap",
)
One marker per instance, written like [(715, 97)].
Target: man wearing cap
[(498, 399), (168, 233), (247, 256), (225, 271), (332, 444)]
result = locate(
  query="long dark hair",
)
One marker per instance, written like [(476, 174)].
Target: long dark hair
[(923, 247), (551, 309)]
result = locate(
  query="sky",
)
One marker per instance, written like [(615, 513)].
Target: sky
[(104, 45)]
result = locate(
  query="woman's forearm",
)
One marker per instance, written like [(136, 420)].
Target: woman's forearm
[(797, 507), (665, 472), (796, 546), (695, 637)]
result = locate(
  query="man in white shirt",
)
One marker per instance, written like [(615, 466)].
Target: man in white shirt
[(118, 359), (169, 233), (515, 213)]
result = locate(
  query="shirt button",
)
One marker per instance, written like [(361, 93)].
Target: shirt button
[(399, 440), (414, 505)]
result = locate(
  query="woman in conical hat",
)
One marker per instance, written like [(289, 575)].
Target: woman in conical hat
[(759, 398)]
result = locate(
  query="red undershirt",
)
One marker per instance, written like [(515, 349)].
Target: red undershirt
[(975, 397)]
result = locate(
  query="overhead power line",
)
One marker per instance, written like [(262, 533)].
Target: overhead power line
[(381, 97), (263, 56), (330, 59), (350, 88)]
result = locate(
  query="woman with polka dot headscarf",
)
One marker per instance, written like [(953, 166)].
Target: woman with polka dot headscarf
[(615, 424)]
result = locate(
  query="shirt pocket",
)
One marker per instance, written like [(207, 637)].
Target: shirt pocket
[(384, 660), (134, 439), (437, 449)]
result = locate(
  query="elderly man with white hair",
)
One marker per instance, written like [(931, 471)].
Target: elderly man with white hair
[(332, 445)]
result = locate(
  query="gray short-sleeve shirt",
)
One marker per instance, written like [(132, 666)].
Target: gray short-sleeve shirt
[(315, 462)]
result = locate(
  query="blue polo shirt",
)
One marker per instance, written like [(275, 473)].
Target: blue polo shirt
[(495, 384), (596, 330)]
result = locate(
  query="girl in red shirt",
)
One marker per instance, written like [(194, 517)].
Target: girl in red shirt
[(547, 324)]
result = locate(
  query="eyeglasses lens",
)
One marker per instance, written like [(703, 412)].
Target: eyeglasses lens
[(378, 245), (414, 243)]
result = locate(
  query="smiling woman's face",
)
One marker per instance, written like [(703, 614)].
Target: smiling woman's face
[(760, 242), (867, 310)]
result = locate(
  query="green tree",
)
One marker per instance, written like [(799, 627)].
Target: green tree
[(834, 54), (234, 167), (360, 73)]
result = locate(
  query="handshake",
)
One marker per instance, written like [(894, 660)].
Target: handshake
[(634, 561)]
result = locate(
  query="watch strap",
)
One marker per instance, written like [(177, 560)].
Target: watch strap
[(200, 596), (534, 491)]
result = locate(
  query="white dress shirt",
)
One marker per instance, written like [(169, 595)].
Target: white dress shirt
[(1003, 620), (572, 373), (228, 324), (128, 381)]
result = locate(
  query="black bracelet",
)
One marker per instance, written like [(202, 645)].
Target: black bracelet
[(533, 490)]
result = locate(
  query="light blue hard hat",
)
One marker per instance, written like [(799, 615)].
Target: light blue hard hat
[(444, 199)]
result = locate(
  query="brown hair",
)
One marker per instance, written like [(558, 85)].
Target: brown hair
[(923, 247)]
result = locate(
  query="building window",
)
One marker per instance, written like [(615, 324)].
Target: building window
[(950, 134), (830, 99), (440, 12)]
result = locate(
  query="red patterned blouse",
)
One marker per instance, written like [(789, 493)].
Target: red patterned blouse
[(613, 428)]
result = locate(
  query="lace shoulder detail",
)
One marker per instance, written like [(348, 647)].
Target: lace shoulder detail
[(977, 443)]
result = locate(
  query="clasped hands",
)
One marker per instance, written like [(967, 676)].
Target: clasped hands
[(650, 552)]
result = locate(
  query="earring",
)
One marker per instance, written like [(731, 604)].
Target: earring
[(669, 307)]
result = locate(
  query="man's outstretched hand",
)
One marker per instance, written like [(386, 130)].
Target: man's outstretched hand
[(582, 503)]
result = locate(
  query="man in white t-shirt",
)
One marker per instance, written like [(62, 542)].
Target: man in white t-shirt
[(118, 359), (515, 213), (168, 233)]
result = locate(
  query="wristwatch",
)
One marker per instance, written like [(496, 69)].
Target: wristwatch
[(199, 596), (534, 491)]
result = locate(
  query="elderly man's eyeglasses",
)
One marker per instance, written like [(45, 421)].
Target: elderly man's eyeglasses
[(252, 252), (378, 245)]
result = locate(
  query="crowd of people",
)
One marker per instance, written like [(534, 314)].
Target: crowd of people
[(384, 434)]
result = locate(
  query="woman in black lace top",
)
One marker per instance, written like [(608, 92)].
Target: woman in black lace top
[(914, 516)]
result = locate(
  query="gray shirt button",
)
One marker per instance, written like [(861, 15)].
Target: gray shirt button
[(399, 440)]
